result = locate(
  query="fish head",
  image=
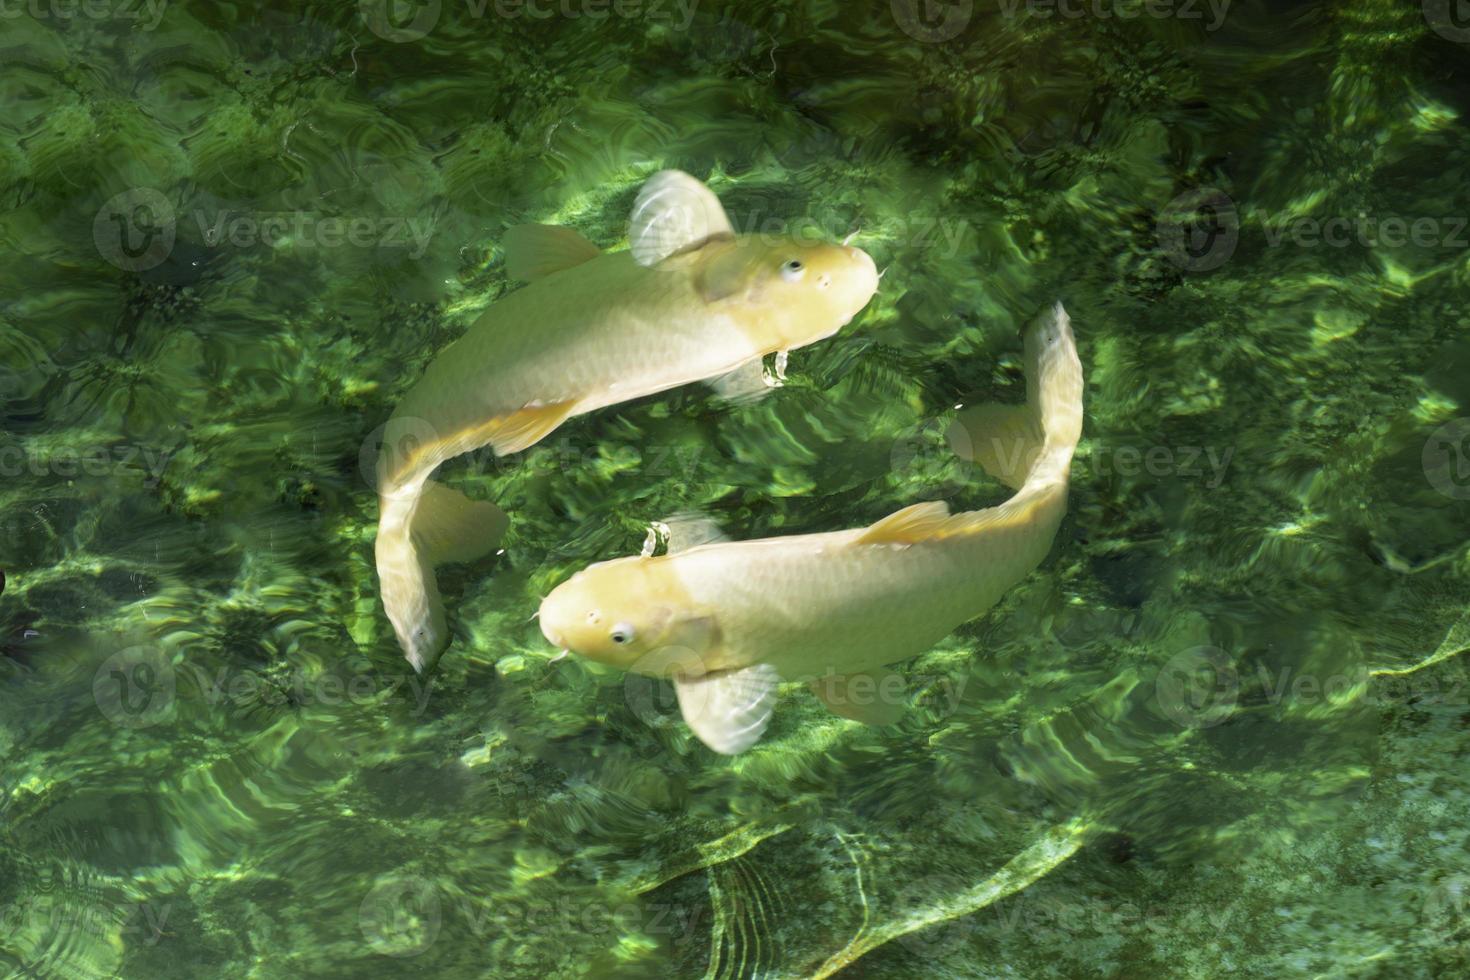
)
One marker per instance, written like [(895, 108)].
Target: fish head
[(629, 613), (789, 291)]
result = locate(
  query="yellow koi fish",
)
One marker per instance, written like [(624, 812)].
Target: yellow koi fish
[(689, 301), (729, 620)]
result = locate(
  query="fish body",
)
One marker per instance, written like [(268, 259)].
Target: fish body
[(729, 619), (689, 301), (807, 604)]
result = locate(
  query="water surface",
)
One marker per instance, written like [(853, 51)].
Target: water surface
[(1220, 729)]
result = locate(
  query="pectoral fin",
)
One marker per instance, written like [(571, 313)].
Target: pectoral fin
[(728, 709), (874, 697), (535, 251), (682, 531), (674, 213), (746, 383), (520, 430), (450, 527)]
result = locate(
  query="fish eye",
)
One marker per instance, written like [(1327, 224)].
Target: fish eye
[(622, 634), (792, 269)]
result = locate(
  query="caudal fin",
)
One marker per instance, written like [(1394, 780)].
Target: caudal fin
[(1031, 444), (415, 533), (1028, 447)]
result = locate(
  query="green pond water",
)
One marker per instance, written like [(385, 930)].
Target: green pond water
[(1223, 729)]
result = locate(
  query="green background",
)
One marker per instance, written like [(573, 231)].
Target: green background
[(1222, 728)]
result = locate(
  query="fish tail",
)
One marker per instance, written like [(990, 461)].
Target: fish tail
[(1031, 444), (418, 529), (1054, 393), (1028, 447)]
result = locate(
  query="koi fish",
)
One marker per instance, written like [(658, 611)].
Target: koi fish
[(728, 621), (689, 301)]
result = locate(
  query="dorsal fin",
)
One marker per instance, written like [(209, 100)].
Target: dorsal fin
[(520, 430), (674, 213), (535, 251), (747, 383), (907, 526)]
